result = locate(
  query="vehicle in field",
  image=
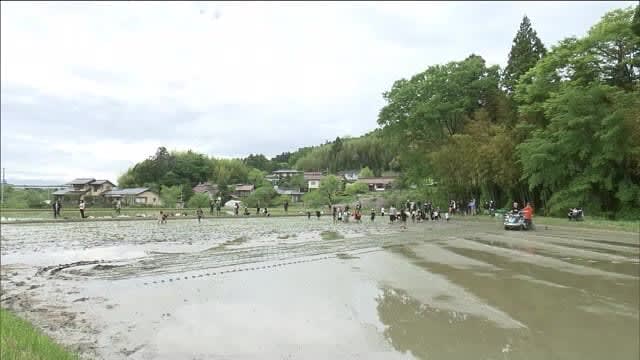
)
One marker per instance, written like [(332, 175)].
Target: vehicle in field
[(576, 214), (515, 221)]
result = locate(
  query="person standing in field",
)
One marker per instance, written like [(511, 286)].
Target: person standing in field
[(392, 215), (286, 207), (528, 214), (217, 208), (211, 204), (373, 214), (335, 214), (403, 217), (382, 211), (118, 206), (56, 209), (162, 218), (200, 214), (81, 207)]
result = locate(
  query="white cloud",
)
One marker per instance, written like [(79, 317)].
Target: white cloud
[(228, 78)]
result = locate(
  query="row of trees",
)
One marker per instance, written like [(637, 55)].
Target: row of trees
[(560, 128)]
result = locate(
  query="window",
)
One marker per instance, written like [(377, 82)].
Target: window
[(141, 200)]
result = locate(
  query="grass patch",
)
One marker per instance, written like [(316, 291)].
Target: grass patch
[(20, 340), (331, 235), (589, 222)]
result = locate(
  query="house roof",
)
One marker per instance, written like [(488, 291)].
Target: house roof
[(81, 181), (123, 192), (313, 176), (377, 180), (69, 192), (244, 187), (286, 171), (100, 182), (205, 187)]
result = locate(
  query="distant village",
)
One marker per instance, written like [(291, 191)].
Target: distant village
[(105, 192)]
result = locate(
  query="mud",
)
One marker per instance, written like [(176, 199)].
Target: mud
[(292, 288)]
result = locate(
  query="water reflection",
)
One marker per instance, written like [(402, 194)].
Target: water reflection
[(592, 318), (430, 333)]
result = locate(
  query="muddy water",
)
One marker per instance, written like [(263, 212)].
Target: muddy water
[(282, 289)]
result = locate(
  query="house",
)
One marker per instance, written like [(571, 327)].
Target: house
[(282, 174), (273, 179), (80, 188), (243, 190), (312, 180), (133, 196), (206, 188), (296, 195), (378, 183), (349, 176)]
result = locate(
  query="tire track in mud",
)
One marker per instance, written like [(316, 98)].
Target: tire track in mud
[(218, 257)]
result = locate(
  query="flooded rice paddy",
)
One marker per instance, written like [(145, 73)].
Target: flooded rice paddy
[(293, 288)]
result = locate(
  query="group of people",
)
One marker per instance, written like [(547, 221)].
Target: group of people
[(56, 207), (526, 212), (341, 214)]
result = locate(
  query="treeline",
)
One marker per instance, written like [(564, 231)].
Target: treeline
[(371, 151), (559, 128), (174, 174)]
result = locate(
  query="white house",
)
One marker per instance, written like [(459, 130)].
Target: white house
[(313, 180)]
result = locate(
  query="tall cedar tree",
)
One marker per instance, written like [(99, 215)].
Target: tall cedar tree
[(635, 25), (527, 49)]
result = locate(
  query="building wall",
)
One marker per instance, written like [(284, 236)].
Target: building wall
[(147, 198), (99, 190)]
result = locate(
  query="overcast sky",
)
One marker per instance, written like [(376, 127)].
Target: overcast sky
[(89, 89)]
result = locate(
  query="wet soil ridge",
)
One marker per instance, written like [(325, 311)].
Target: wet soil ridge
[(218, 257)]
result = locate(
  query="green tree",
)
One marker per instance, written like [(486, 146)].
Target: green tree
[(583, 156), (199, 200), (329, 188), (256, 177), (365, 172), (259, 162), (635, 25), (261, 197), (313, 199), (170, 195), (357, 188), (525, 52), (424, 112)]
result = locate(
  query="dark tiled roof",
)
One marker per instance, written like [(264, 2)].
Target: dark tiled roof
[(379, 180), (69, 192), (244, 187), (122, 192), (100, 182), (205, 187), (81, 181)]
